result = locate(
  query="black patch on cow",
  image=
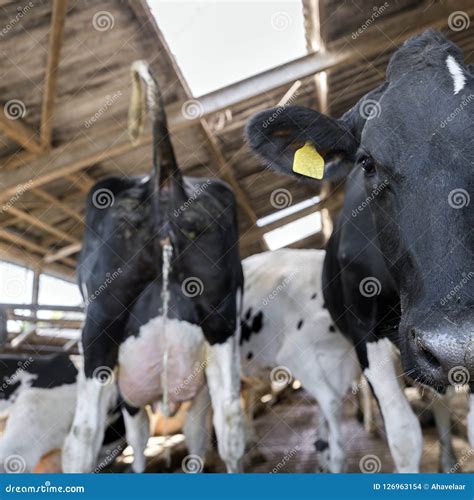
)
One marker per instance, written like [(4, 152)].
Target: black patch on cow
[(321, 445), (48, 372), (249, 355), (248, 314), (324, 305), (332, 328), (247, 330), (300, 324), (314, 296), (257, 322)]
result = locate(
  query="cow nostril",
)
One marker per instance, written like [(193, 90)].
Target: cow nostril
[(426, 353)]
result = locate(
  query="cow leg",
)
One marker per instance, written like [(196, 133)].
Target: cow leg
[(322, 443), (83, 443), (402, 427), (470, 420), (196, 427), (137, 431), (223, 377), (442, 415)]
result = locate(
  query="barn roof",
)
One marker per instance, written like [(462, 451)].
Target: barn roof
[(65, 90)]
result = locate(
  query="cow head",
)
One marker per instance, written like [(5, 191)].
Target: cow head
[(413, 138)]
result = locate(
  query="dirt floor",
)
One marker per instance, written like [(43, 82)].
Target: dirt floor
[(286, 432)]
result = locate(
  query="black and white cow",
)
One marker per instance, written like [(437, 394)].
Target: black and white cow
[(37, 402), (145, 333), (286, 327), (37, 399), (396, 272)]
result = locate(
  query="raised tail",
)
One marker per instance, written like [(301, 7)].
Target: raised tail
[(165, 167)]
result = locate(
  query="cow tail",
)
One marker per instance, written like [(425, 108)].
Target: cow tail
[(165, 168), (164, 161)]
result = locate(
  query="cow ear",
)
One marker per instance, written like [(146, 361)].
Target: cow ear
[(302, 142)]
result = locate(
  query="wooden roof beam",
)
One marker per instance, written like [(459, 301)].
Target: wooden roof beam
[(21, 133), (58, 17), (28, 259), (40, 193), (63, 253), (34, 221)]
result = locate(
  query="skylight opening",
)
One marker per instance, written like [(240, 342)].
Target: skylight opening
[(293, 231), (286, 212), (217, 43)]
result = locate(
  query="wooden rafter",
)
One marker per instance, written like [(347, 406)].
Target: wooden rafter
[(32, 261), (44, 195), (63, 253), (21, 133), (49, 88), (34, 221)]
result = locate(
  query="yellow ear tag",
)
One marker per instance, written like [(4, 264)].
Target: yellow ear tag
[(309, 162)]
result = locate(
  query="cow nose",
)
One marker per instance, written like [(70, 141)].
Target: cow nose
[(443, 358)]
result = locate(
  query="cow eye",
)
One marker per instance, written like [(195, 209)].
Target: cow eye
[(368, 165)]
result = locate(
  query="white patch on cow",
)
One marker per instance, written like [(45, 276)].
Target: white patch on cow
[(85, 295), (83, 443), (38, 422), (223, 377), (470, 421), (25, 380), (441, 405), (298, 334), (402, 426), (141, 362), (197, 427), (457, 73), (137, 430)]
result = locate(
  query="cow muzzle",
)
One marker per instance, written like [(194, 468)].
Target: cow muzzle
[(444, 356)]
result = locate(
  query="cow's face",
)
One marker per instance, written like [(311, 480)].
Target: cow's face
[(413, 139)]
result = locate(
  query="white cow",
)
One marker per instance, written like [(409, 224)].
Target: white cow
[(285, 326)]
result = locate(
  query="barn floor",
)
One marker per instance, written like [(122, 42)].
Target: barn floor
[(287, 430)]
